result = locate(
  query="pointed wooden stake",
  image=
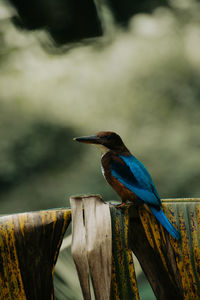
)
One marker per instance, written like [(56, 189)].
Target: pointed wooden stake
[(92, 244)]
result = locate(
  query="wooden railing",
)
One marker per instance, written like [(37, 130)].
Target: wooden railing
[(103, 239)]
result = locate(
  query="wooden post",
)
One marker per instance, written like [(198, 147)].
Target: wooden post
[(171, 266), (92, 244), (163, 285), (29, 246), (100, 247)]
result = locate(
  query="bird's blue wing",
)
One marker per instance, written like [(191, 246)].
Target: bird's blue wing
[(136, 166), (160, 216), (134, 176)]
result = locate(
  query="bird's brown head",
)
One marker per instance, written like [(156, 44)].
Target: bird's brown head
[(105, 140)]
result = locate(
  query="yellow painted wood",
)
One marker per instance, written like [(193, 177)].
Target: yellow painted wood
[(26, 240), (154, 232), (22, 240), (11, 285), (185, 216), (123, 283)]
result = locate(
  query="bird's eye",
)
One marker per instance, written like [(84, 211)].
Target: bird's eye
[(108, 137)]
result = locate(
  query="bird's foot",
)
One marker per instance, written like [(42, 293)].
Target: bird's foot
[(121, 205)]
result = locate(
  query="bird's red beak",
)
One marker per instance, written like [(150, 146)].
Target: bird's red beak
[(93, 139)]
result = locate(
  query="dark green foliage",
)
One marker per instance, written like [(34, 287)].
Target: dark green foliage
[(65, 20), (124, 10), (34, 147), (69, 20)]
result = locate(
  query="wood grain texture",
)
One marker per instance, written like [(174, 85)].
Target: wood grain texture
[(123, 284), (29, 246), (151, 251), (171, 266), (100, 247), (187, 253), (30, 242), (92, 244), (79, 247)]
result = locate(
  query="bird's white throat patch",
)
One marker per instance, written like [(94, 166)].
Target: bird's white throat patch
[(102, 148)]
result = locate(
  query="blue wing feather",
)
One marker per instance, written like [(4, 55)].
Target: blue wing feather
[(136, 166), (143, 194), (135, 177), (160, 216)]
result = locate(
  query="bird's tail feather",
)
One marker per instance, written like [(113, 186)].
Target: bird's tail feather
[(160, 216)]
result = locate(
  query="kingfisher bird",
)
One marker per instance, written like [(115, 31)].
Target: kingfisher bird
[(128, 176)]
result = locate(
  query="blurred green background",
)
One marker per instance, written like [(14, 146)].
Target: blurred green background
[(140, 78)]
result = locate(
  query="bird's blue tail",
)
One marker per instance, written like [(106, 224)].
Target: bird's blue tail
[(160, 216)]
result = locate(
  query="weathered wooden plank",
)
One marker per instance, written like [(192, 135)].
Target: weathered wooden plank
[(171, 266), (187, 253), (79, 247), (123, 285), (92, 244), (30, 242), (99, 245), (100, 235), (29, 246)]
